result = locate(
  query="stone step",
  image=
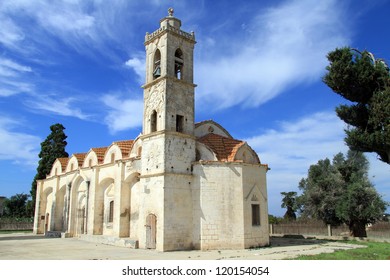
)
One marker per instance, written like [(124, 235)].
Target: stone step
[(110, 240), (53, 234)]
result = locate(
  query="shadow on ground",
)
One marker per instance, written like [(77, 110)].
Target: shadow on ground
[(21, 237), (293, 240)]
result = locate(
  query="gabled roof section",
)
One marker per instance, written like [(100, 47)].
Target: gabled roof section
[(63, 161), (80, 158), (224, 148), (205, 127), (100, 152), (125, 147)]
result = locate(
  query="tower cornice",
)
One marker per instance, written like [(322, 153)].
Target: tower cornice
[(156, 81), (164, 29)]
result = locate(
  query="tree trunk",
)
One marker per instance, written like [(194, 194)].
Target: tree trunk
[(357, 229)]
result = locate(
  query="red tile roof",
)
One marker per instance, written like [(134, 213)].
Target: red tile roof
[(100, 152), (224, 148), (64, 162), (125, 147), (80, 158)]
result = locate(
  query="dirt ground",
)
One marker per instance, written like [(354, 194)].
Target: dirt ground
[(34, 247)]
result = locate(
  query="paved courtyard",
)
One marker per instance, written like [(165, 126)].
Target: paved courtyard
[(36, 247)]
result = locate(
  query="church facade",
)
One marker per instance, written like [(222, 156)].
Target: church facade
[(179, 185)]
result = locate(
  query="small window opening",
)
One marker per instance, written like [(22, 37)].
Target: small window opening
[(90, 163), (139, 151), (153, 121), (255, 214), (157, 65), (179, 123), (178, 64), (111, 212), (197, 155), (112, 157)]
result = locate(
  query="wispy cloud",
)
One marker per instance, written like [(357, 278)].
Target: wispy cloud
[(10, 34), (10, 68), (122, 113), (20, 148), (292, 146), (56, 105), (283, 46), (13, 79), (81, 25)]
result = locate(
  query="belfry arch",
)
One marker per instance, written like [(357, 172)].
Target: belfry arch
[(179, 63), (157, 64)]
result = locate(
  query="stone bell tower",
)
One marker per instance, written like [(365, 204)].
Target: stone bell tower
[(168, 148)]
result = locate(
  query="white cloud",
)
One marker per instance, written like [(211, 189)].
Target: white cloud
[(20, 148), (286, 45), (123, 113), (56, 105), (137, 64), (10, 34), (9, 68), (13, 79), (293, 146)]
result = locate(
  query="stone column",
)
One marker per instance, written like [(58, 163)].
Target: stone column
[(67, 208)]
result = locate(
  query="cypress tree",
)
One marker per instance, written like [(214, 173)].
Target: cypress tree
[(52, 148)]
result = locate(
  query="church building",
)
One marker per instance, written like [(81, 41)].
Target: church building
[(179, 185)]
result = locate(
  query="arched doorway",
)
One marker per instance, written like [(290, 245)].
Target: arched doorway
[(47, 221), (151, 223)]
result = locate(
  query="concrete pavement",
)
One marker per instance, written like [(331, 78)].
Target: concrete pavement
[(27, 246)]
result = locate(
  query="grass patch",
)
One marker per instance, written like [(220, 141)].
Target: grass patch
[(373, 251)]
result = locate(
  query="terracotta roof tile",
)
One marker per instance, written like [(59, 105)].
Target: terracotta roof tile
[(125, 147), (64, 162), (100, 152), (80, 158), (224, 148)]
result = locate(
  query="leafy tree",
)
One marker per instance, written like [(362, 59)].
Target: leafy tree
[(273, 219), (289, 201), (340, 192), (321, 190), (52, 148), (365, 81), (16, 206)]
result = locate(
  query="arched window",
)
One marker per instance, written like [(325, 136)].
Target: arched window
[(111, 212), (112, 157), (157, 64), (153, 121), (179, 64)]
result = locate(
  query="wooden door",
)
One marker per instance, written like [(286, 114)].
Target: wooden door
[(151, 222)]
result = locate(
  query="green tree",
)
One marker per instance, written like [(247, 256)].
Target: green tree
[(289, 201), (16, 206), (365, 81), (340, 192), (273, 219), (321, 191), (52, 148)]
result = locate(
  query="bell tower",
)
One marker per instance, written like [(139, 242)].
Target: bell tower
[(168, 141), (169, 88)]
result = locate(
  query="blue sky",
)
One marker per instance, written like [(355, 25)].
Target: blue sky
[(258, 67)]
